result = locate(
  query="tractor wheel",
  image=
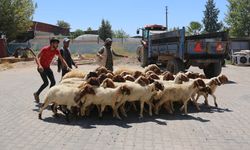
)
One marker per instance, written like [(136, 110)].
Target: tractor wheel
[(212, 70), (144, 57), (176, 65)]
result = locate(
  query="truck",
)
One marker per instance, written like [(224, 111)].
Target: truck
[(175, 51)]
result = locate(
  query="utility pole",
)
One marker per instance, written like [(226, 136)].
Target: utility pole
[(166, 18)]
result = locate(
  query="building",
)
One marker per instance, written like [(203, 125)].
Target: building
[(48, 28)]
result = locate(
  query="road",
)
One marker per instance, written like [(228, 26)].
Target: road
[(225, 127)]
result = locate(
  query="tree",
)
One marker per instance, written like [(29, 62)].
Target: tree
[(77, 33), (120, 34), (105, 30), (238, 17), (89, 29), (210, 19), (63, 24), (15, 17), (194, 28)]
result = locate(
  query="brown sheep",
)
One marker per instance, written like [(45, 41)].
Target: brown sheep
[(74, 73), (154, 68)]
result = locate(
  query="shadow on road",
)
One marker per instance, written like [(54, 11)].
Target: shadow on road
[(93, 121)]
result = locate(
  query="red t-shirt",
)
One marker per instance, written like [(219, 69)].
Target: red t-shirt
[(47, 55)]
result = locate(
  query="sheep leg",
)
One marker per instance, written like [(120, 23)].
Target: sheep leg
[(115, 113), (83, 109), (195, 102), (184, 106), (102, 109), (215, 103), (172, 106), (206, 101), (134, 106), (123, 110), (167, 107), (158, 105), (44, 105), (120, 106), (150, 107), (141, 111)]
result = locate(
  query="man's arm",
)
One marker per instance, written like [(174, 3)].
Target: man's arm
[(63, 61), (59, 63), (100, 52), (118, 55)]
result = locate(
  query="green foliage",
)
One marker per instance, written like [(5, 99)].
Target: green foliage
[(89, 29), (15, 17), (238, 17), (77, 33), (63, 24), (120, 34), (194, 28), (105, 30), (210, 19)]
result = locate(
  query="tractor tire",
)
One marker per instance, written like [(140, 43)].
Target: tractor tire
[(176, 65), (213, 70), (144, 57)]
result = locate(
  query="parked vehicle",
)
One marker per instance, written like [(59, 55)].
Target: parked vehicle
[(177, 52)]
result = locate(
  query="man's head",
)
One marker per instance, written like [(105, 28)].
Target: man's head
[(66, 42), (108, 42), (54, 42)]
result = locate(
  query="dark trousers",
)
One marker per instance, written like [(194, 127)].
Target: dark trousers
[(47, 73), (64, 71)]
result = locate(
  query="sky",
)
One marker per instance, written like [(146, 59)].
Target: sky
[(123, 14)]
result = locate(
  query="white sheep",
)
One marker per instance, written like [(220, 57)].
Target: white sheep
[(143, 94), (178, 92), (211, 86), (104, 97), (60, 95)]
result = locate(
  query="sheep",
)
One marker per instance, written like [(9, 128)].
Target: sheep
[(62, 95), (74, 73), (179, 92), (168, 76), (153, 76), (143, 94), (124, 73), (193, 75), (137, 74), (119, 71), (90, 74), (108, 83), (129, 78), (93, 81), (210, 88), (118, 78), (102, 77), (105, 97), (101, 70), (110, 75), (154, 68)]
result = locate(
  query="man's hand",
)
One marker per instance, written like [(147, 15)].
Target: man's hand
[(40, 69), (100, 56), (69, 69)]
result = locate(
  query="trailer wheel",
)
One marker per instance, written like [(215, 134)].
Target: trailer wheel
[(144, 57), (212, 70), (175, 66)]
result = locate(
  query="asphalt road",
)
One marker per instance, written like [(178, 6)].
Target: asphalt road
[(225, 127)]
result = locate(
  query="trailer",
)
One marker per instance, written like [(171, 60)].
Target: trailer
[(177, 52)]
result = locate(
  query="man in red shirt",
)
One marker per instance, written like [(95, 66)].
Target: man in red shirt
[(43, 61)]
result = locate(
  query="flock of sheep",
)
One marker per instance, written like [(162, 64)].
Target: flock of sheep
[(79, 92)]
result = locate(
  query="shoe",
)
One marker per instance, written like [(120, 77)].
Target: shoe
[(36, 97)]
